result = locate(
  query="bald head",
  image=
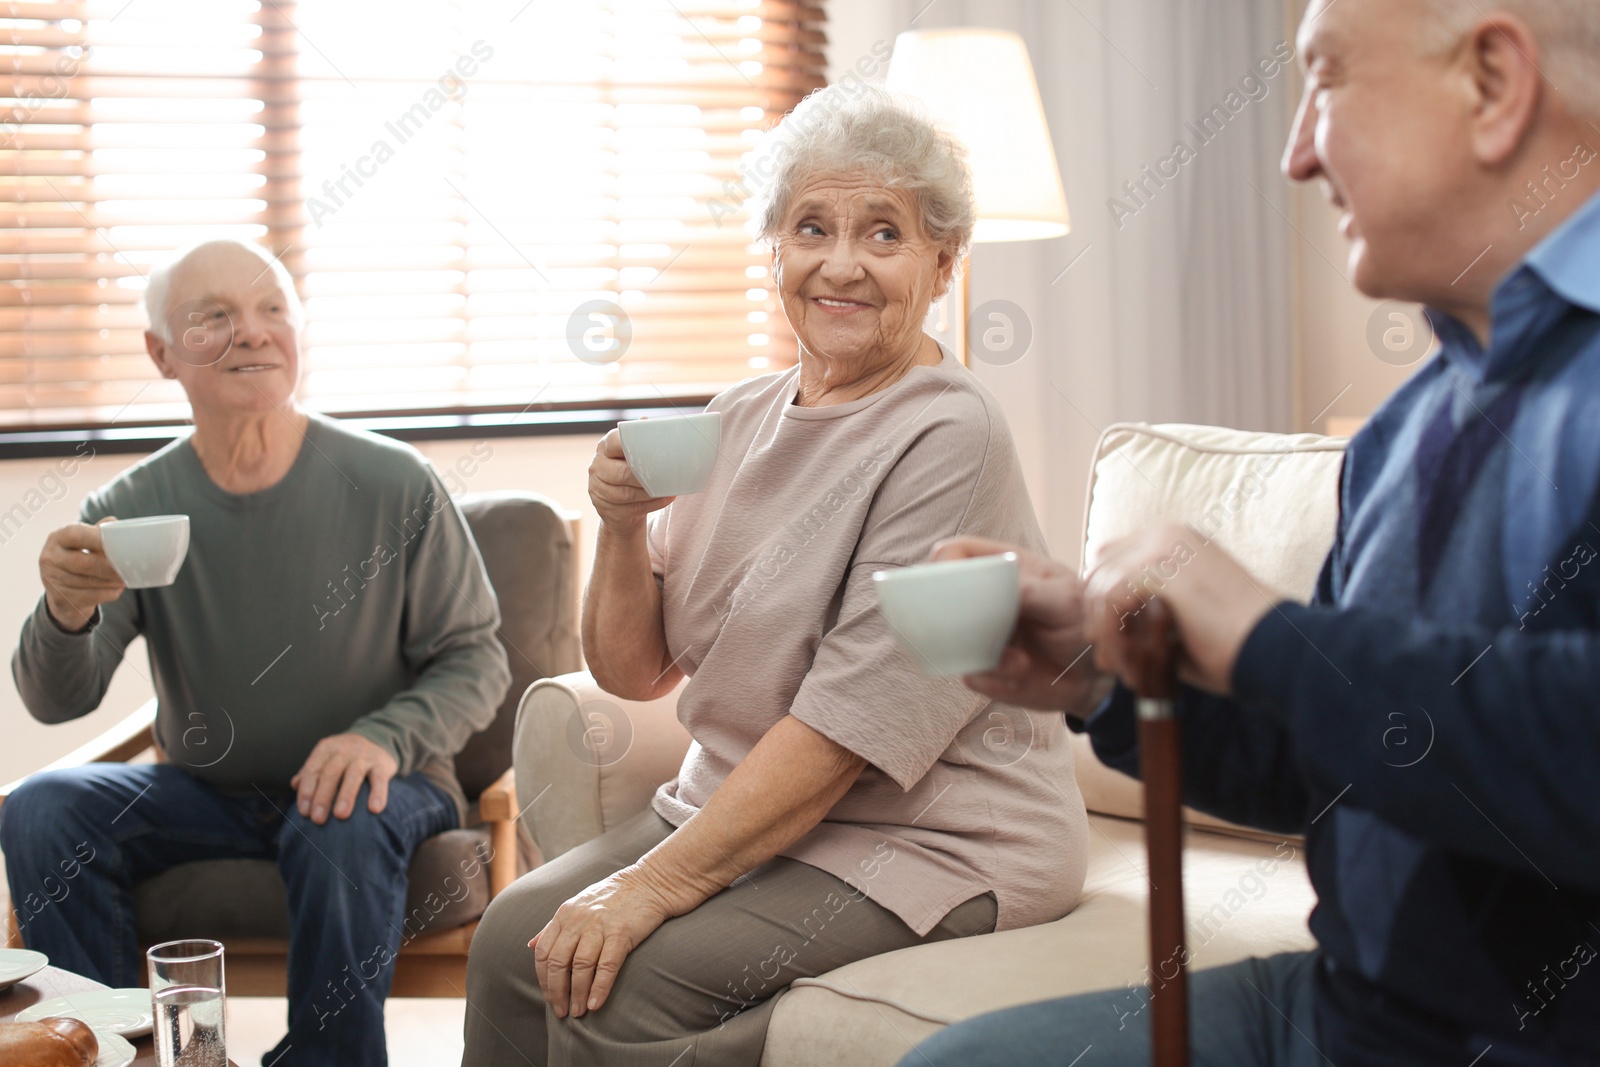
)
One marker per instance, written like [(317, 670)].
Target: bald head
[(1567, 32), (203, 271), (225, 323), (1450, 135)]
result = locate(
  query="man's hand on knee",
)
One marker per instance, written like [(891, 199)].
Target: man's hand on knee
[(332, 776)]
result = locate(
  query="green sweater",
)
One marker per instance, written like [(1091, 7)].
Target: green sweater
[(349, 597)]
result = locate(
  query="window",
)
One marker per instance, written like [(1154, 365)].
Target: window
[(465, 192)]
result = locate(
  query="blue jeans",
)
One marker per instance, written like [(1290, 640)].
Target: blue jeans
[(1255, 1013), (77, 840)]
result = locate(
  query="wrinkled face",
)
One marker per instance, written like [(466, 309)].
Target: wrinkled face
[(855, 270), (1385, 130), (235, 346)]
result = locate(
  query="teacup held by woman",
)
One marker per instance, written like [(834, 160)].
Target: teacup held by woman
[(672, 456)]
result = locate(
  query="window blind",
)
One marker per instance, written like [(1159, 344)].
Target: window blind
[(483, 204)]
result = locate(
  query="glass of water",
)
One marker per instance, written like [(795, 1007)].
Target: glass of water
[(189, 996)]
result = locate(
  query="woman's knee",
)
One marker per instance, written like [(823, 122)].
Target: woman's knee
[(500, 959), (523, 908), (687, 977), (506, 1013)]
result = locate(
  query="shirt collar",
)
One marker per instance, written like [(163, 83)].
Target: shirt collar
[(1568, 259), (1562, 269)]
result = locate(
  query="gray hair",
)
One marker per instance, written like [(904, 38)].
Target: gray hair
[(1568, 32), (858, 128), (157, 298)]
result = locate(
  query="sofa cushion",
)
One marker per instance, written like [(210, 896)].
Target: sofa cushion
[(1270, 500), (1244, 898), (448, 886)]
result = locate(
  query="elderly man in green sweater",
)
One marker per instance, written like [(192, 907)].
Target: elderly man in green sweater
[(326, 650)]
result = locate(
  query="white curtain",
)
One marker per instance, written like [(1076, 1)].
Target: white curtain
[(1175, 305)]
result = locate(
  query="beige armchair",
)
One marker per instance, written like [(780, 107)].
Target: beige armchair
[(588, 760), (529, 548)]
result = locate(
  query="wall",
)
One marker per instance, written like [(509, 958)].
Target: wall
[(1341, 377), (555, 466), (1182, 314)]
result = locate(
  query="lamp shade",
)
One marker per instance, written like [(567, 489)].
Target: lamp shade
[(979, 85)]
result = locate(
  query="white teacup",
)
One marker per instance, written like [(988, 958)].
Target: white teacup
[(674, 455), (954, 617), (147, 552)]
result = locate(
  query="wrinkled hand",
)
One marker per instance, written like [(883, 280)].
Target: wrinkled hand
[(1214, 602), (1044, 665), (616, 493), (77, 575), (581, 949), (333, 773)]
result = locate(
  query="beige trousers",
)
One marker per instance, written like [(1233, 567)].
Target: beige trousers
[(700, 990)]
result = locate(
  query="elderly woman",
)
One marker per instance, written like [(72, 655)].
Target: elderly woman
[(836, 804)]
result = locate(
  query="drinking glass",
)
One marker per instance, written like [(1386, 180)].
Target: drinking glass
[(188, 993)]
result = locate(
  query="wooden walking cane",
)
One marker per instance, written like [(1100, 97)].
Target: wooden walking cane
[(1155, 681)]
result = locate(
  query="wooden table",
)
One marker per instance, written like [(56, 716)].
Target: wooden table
[(53, 982)]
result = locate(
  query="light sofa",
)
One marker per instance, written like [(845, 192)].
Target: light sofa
[(585, 761)]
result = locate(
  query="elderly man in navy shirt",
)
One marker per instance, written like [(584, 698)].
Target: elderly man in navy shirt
[(1459, 896)]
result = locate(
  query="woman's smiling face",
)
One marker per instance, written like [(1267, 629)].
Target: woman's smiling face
[(856, 270)]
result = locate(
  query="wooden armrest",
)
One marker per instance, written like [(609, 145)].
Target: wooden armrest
[(497, 806), (499, 801), (118, 744)]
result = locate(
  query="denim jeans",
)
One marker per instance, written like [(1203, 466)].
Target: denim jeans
[(1254, 1013), (77, 840)]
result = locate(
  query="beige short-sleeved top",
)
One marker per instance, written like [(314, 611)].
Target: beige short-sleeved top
[(768, 604)]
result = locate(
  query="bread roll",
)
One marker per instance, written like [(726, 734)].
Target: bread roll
[(48, 1043)]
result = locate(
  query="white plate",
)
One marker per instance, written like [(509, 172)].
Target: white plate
[(126, 1012), (17, 964), (114, 1051)]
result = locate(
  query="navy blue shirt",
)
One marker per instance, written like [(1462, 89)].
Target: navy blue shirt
[(1431, 721)]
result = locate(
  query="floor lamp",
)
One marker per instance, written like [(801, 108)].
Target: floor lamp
[(979, 85)]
